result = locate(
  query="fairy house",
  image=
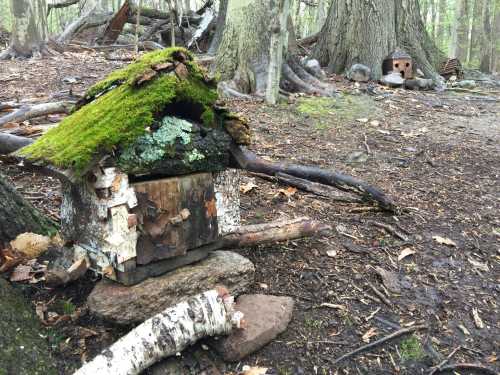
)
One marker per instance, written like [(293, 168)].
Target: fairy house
[(400, 62), (144, 163)]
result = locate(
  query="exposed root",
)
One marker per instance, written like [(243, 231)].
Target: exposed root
[(306, 76), (224, 88), (291, 78)]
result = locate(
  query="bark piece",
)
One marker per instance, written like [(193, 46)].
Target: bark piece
[(167, 333), (265, 318), (127, 305)]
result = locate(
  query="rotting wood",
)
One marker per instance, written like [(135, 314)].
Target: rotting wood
[(392, 336), (247, 160), (252, 235), (28, 112), (207, 314)]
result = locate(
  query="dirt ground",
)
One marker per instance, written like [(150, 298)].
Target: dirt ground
[(435, 154)]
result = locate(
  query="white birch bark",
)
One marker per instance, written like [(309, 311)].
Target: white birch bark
[(279, 39), (167, 333)]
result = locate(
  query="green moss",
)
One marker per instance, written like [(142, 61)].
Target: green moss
[(122, 112)]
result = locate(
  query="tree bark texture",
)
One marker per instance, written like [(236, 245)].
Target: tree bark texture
[(207, 314), (29, 29), (458, 32), (18, 216), (219, 28), (366, 32)]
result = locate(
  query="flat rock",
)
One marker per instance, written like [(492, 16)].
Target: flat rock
[(134, 304), (359, 73), (265, 317), (392, 80)]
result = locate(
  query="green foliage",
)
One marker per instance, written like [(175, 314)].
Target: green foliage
[(66, 307), (122, 112), (411, 349)]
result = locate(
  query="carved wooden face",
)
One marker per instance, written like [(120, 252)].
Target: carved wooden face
[(404, 67)]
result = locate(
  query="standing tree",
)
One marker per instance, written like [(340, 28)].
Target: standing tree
[(359, 31), (29, 29), (243, 57)]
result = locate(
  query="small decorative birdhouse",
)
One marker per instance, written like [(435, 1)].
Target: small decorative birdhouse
[(400, 62)]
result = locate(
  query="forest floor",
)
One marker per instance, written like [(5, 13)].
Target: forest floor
[(435, 154)]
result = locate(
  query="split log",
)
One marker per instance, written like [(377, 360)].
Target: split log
[(207, 314), (10, 143), (247, 160), (28, 112), (252, 235)]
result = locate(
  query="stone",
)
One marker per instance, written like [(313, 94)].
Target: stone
[(313, 67), (419, 84), (134, 304), (359, 73), (265, 318), (392, 80), (23, 350), (466, 84)]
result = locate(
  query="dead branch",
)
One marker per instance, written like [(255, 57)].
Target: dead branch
[(61, 4), (28, 112), (10, 143), (392, 336), (315, 188), (379, 294), (247, 160), (479, 369), (436, 368), (167, 333), (251, 235), (390, 229)]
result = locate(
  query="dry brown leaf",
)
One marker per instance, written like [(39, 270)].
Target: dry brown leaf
[(288, 192), (32, 245), (369, 334), (248, 187), (254, 370), (405, 253), (444, 241), (478, 265), (21, 273)]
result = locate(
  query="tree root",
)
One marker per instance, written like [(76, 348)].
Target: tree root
[(224, 88), (247, 160), (290, 77), (303, 74), (28, 112)]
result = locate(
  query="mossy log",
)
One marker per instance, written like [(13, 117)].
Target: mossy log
[(18, 216), (162, 106)]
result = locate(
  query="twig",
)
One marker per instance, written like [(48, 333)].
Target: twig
[(437, 368), (401, 332), (379, 294), (390, 229), (366, 144), (468, 366)]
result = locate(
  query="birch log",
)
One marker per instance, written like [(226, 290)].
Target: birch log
[(167, 333)]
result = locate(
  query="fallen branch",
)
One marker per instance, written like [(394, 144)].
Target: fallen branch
[(251, 235), (392, 336), (247, 160), (390, 229), (207, 314), (468, 366), (28, 112), (315, 188), (438, 367), (10, 143)]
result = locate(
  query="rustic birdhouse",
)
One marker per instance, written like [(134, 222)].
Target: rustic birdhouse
[(399, 62), (144, 168)]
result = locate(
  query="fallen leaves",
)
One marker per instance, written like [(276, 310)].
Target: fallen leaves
[(406, 253), (444, 241), (369, 334), (32, 245), (288, 192), (248, 187), (480, 266), (389, 279)]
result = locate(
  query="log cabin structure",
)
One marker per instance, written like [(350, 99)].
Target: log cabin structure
[(144, 165)]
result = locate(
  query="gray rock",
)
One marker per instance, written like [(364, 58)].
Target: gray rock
[(466, 84), (357, 157), (22, 349), (419, 84), (419, 73), (313, 67), (265, 316), (392, 80), (133, 304), (359, 73)]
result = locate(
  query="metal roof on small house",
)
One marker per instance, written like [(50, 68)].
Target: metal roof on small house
[(398, 54)]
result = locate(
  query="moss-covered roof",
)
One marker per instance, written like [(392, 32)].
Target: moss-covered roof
[(123, 107)]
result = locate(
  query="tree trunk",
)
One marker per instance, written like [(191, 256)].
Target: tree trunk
[(320, 15), (18, 216), (366, 32), (455, 37), (440, 29), (244, 57), (29, 29), (219, 28), (486, 38)]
